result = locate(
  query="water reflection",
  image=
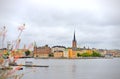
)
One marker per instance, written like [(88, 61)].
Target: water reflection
[(71, 69)]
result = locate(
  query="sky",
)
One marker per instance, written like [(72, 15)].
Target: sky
[(96, 22)]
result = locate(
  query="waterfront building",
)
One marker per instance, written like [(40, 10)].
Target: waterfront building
[(58, 54), (80, 50), (72, 53), (58, 51), (3, 51), (14, 53), (110, 53), (65, 53), (58, 48), (89, 51), (42, 52), (102, 52), (18, 53)]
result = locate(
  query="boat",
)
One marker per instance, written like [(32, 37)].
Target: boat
[(28, 63)]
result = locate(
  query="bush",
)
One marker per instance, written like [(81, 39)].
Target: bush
[(27, 52), (78, 55), (51, 55), (94, 54), (85, 54)]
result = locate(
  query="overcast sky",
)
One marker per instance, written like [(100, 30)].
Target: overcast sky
[(52, 22)]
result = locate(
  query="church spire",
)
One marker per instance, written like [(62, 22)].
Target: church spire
[(74, 39), (74, 42)]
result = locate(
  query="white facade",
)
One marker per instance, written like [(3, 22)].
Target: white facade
[(65, 53), (58, 48)]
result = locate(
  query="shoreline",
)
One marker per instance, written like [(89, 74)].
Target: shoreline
[(77, 58), (70, 58)]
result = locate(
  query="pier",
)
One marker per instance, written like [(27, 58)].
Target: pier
[(31, 65)]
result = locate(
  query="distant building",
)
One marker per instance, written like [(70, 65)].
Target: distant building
[(102, 52), (58, 51), (72, 54), (89, 51), (58, 54), (3, 51), (65, 53), (18, 53), (14, 53), (43, 51), (58, 48)]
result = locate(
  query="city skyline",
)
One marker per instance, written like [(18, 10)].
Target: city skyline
[(53, 22)]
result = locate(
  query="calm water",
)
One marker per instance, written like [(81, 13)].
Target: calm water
[(72, 69)]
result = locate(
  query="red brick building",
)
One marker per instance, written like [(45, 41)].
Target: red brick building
[(42, 52)]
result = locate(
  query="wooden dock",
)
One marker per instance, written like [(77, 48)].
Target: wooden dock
[(35, 66), (6, 68), (31, 65)]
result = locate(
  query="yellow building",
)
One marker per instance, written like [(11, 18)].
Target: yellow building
[(72, 54), (89, 51), (58, 54), (83, 50), (18, 53)]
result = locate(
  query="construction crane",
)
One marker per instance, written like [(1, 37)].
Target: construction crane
[(16, 43), (3, 35), (21, 28)]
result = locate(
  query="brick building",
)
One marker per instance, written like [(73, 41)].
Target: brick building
[(42, 52)]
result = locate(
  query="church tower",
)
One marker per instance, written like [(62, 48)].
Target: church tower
[(74, 42)]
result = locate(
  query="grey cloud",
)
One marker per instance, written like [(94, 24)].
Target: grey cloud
[(47, 24), (55, 18)]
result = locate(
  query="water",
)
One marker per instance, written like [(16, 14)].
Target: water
[(72, 69)]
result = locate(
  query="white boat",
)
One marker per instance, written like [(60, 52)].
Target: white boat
[(28, 63)]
